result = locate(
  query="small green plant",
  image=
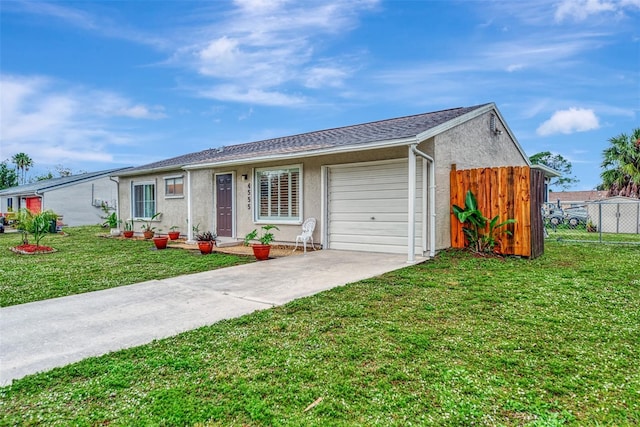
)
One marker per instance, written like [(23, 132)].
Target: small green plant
[(128, 225), (112, 221), (265, 238), (147, 226), (475, 225), (174, 228), (37, 224)]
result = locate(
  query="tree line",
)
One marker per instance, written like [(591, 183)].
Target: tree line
[(620, 164), (12, 177)]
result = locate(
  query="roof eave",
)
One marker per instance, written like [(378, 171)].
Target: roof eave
[(149, 171), (548, 172), (303, 154)]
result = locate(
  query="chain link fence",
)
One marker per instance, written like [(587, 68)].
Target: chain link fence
[(607, 221)]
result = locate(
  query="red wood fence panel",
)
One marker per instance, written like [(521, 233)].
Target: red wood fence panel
[(505, 192)]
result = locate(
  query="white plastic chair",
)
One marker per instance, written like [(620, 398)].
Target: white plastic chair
[(308, 226)]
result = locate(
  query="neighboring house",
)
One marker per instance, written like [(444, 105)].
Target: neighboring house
[(78, 198), (568, 197), (381, 186)]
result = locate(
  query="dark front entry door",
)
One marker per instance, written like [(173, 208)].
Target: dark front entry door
[(224, 205)]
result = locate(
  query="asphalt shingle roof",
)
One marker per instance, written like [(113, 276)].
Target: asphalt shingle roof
[(48, 184), (355, 135)]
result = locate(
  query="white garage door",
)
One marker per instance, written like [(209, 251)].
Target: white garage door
[(367, 207)]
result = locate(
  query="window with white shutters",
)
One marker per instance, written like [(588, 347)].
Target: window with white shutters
[(278, 194)]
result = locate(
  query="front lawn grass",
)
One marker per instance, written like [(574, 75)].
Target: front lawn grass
[(580, 233), (85, 262), (456, 341)]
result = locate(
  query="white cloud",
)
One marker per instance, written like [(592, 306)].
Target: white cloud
[(94, 23), (54, 121), (318, 77), (579, 10), (142, 112), (569, 121), (251, 96), (256, 53), (245, 116), (514, 67)]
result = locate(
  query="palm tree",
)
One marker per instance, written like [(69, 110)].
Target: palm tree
[(23, 162), (621, 175)]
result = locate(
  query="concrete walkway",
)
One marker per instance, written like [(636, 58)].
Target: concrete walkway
[(42, 335)]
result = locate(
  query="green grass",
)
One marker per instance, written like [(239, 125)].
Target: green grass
[(563, 232), (459, 340), (85, 262)]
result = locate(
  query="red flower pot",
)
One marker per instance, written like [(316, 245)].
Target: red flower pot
[(205, 246), (148, 234), (173, 235), (160, 242), (261, 252), (127, 233)]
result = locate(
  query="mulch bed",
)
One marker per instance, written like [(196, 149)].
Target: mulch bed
[(32, 250)]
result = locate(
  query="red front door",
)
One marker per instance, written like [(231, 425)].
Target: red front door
[(224, 205), (34, 204)]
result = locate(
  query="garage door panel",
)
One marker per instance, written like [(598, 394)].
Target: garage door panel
[(369, 206), (365, 176), (371, 194), (363, 217), (374, 190), (352, 187), (375, 228), (385, 246)]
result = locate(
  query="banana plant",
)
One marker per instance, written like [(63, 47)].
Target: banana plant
[(475, 225)]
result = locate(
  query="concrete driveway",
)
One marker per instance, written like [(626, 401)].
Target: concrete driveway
[(43, 335)]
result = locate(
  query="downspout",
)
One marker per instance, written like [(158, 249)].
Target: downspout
[(411, 223), (432, 201), (189, 213), (117, 181)]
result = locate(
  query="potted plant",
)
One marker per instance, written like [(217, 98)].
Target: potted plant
[(147, 229), (206, 240), (160, 241), (112, 222), (128, 229), (261, 250), (173, 232)]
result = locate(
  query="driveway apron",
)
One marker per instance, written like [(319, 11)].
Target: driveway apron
[(42, 335)]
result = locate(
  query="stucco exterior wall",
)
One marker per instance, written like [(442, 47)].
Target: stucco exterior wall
[(312, 189), (173, 208), (468, 146)]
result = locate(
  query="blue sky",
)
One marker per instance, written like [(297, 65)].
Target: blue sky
[(93, 85)]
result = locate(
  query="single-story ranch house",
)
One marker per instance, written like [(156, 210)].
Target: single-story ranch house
[(77, 198), (381, 186)]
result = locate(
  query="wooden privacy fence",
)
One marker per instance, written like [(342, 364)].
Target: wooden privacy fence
[(511, 192)]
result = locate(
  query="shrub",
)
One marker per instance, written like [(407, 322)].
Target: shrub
[(37, 224), (475, 225)]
